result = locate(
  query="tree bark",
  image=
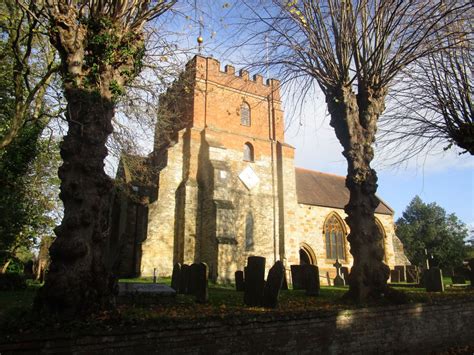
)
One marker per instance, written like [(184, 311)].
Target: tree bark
[(78, 281), (354, 118)]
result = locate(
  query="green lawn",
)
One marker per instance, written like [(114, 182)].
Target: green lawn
[(223, 301)]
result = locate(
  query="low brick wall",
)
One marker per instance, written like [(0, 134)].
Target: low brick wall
[(394, 329)]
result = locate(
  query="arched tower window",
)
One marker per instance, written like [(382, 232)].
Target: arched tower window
[(248, 152), (334, 232), (245, 114), (249, 231)]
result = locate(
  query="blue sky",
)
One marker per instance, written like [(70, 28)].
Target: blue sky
[(446, 178)]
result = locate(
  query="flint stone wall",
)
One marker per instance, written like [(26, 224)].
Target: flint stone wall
[(394, 329)]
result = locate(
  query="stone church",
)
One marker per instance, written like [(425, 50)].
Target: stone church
[(221, 185)]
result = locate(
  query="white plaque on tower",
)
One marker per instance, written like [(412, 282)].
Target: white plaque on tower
[(249, 178)]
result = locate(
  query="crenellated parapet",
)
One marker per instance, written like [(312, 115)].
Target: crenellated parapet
[(207, 68)]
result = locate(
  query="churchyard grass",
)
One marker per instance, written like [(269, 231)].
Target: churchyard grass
[(224, 301)]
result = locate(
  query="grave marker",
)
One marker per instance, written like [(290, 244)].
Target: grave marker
[(273, 285), (254, 281)]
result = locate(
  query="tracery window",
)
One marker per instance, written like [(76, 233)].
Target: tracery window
[(245, 114), (248, 152), (249, 231), (334, 232)]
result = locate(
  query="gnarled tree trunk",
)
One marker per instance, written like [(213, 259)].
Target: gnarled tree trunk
[(354, 118), (78, 281)]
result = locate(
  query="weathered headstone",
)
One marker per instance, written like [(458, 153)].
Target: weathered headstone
[(338, 280), (273, 285), (254, 281), (413, 275), (192, 279), (284, 285), (297, 277), (28, 270), (401, 269), (394, 276), (311, 276), (345, 274), (183, 281), (239, 281), (434, 280), (201, 290), (175, 277), (458, 279), (471, 271)]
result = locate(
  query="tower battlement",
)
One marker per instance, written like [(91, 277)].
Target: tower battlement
[(207, 68)]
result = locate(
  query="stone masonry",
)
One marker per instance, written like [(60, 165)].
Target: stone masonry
[(214, 206)]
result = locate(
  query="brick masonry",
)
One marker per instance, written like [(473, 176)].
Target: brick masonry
[(417, 328)]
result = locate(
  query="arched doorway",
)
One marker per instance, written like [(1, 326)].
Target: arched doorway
[(307, 256)]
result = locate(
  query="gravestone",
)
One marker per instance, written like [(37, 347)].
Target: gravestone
[(183, 281), (328, 278), (28, 270), (254, 281), (297, 277), (394, 276), (413, 275), (458, 279), (471, 271), (273, 285), (345, 274), (401, 269), (311, 280), (175, 277), (200, 287), (434, 280), (284, 285), (338, 280), (239, 281), (192, 279)]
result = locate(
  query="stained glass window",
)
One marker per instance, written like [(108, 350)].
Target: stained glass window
[(334, 231)]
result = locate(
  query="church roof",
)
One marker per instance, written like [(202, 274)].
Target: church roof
[(328, 190)]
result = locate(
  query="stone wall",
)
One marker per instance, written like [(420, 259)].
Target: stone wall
[(419, 328)]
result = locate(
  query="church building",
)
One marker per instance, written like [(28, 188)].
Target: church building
[(221, 186)]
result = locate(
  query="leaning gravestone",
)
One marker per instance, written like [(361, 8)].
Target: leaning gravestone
[(338, 280), (183, 281), (239, 281), (201, 290), (401, 269), (297, 277), (394, 276), (254, 281), (311, 280), (434, 280), (175, 277), (192, 279), (412, 274), (273, 285)]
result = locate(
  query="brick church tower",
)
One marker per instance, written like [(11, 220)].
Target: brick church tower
[(220, 151)]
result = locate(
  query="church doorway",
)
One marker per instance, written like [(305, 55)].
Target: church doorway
[(307, 256)]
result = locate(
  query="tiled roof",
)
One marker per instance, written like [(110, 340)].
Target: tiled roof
[(328, 190)]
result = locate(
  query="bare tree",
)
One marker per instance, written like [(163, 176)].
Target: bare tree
[(432, 103), (101, 46), (32, 61), (353, 50)]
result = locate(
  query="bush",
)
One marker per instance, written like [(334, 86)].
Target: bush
[(12, 282)]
